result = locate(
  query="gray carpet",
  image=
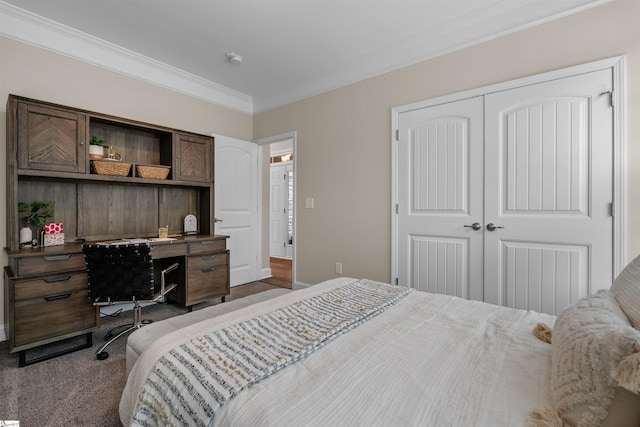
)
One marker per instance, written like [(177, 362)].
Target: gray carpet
[(71, 390)]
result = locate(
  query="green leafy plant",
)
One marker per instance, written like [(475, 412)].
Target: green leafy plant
[(37, 212), (97, 141)]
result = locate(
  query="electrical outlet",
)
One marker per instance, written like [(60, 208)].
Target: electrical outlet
[(338, 268)]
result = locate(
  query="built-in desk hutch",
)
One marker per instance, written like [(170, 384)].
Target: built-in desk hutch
[(46, 296)]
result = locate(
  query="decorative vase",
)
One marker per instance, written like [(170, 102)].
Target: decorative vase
[(26, 235)]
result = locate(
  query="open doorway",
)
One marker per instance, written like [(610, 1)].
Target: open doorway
[(278, 172)]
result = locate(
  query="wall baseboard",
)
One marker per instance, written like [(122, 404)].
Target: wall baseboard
[(265, 273), (301, 285)]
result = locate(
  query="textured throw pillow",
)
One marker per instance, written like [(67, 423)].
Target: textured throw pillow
[(626, 290), (594, 350)]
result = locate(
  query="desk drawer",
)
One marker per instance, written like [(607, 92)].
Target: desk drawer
[(168, 250), (207, 283), (54, 263), (50, 286), (207, 246), (206, 260), (39, 319)]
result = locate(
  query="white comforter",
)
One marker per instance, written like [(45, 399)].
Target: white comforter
[(430, 360)]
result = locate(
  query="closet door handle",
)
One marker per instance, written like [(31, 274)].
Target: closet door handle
[(476, 226), (491, 226)]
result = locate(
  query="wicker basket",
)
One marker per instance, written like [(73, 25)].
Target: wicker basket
[(110, 168), (155, 172)]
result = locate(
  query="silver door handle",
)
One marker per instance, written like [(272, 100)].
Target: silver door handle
[(216, 219), (476, 226), (491, 226)]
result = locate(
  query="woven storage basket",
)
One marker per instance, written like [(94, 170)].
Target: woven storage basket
[(110, 168), (156, 172)]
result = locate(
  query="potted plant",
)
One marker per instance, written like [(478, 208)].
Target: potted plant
[(36, 213), (96, 148)]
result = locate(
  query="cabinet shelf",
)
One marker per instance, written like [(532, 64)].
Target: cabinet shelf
[(26, 174)]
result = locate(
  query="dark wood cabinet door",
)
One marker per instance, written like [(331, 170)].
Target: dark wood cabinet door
[(51, 139), (194, 158)]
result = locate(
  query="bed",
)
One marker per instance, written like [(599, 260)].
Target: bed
[(408, 358)]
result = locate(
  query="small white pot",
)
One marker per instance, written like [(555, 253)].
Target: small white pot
[(26, 235), (96, 151)]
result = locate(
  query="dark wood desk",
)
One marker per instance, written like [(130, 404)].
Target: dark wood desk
[(46, 297)]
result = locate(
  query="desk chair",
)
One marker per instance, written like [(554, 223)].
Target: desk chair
[(122, 274)]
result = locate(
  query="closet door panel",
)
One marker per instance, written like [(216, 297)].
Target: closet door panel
[(440, 197), (548, 177)]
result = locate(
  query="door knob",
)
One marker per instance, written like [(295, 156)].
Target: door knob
[(491, 226), (476, 226)]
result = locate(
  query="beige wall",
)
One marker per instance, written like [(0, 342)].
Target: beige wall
[(343, 141), (39, 74), (344, 150)]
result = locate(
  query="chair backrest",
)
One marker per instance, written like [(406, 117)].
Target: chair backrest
[(119, 272)]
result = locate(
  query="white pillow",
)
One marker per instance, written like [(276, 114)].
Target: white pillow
[(626, 290), (592, 342)]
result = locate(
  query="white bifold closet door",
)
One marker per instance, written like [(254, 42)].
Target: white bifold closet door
[(507, 197)]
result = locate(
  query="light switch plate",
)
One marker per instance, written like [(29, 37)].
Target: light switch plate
[(309, 203)]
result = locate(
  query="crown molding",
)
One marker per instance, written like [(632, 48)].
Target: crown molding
[(26, 27)]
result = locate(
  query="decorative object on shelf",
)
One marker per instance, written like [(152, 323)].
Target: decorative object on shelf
[(113, 168), (26, 235), (53, 234), (96, 148), (190, 225), (163, 232), (156, 171), (112, 155), (37, 214)]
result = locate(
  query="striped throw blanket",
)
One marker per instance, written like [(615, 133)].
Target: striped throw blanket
[(191, 383)]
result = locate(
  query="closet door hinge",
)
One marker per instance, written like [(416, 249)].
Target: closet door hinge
[(396, 281), (612, 209), (397, 134), (397, 209), (612, 97)]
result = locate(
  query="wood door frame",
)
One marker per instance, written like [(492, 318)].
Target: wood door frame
[(617, 65)]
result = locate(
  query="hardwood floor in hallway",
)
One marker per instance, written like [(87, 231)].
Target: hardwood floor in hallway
[(280, 273)]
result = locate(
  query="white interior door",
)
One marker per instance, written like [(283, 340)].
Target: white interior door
[(549, 183), (533, 167), (440, 198), (278, 210), (236, 205)]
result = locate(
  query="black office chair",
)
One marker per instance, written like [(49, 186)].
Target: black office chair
[(121, 274)]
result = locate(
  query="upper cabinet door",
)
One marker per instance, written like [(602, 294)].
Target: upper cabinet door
[(193, 162), (51, 139)]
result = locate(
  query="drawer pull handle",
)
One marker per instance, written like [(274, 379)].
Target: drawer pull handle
[(208, 270), (57, 279), (58, 296), (207, 242), (56, 257), (207, 257)]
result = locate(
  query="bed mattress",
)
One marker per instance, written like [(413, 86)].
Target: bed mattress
[(427, 360)]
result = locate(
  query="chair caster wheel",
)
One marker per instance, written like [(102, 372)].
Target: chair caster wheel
[(102, 355)]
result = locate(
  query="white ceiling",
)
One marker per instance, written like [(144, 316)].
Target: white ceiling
[(292, 49)]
